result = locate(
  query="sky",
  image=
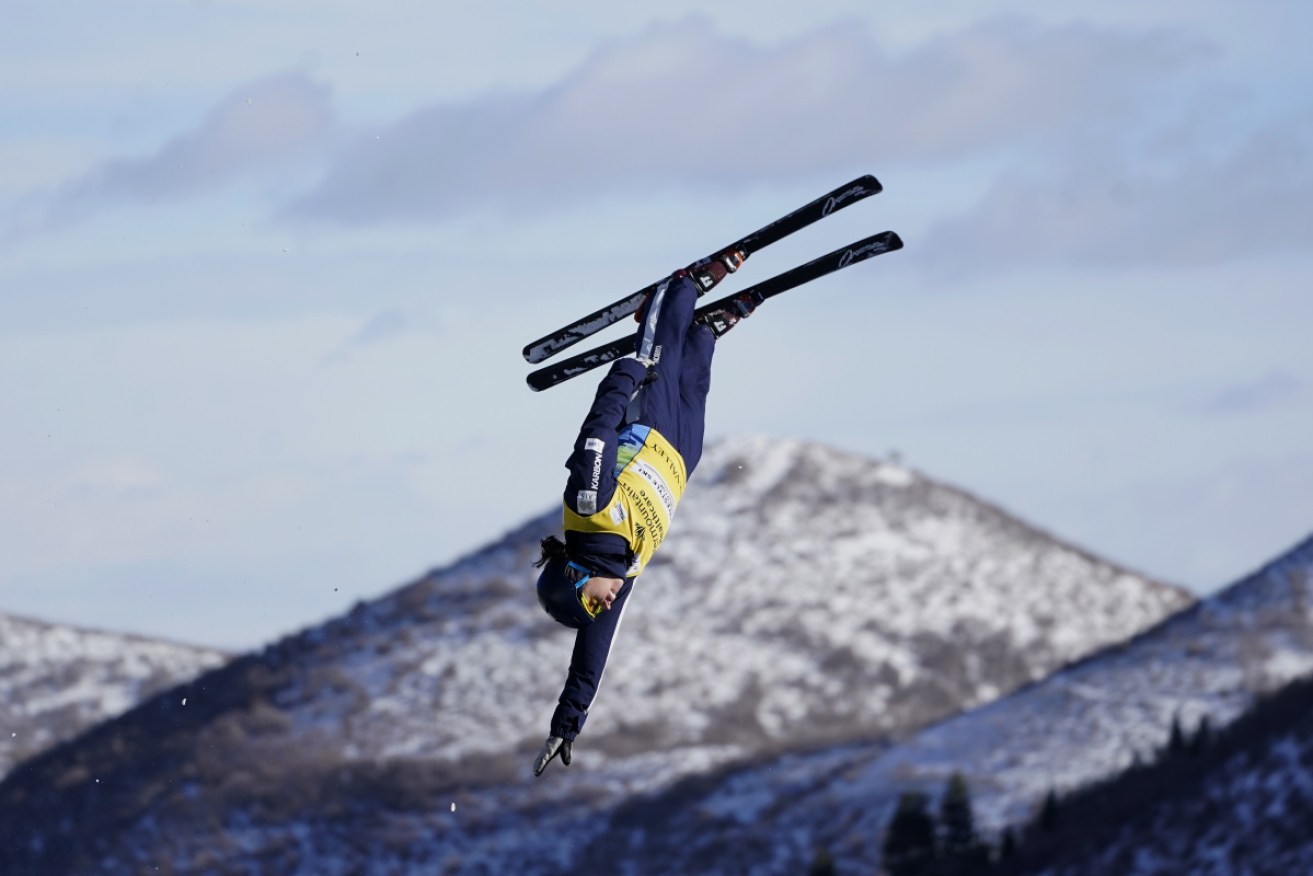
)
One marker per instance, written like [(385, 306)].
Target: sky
[(267, 267)]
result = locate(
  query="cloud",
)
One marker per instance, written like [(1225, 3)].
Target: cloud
[(1256, 508), (268, 125), (676, 105), (382, 328), (1273, 389), (1121, 208), (121, 477), (684, 105)]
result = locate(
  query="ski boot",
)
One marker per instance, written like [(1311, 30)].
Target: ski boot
[(715, 269), (722, 319), (704, 274)]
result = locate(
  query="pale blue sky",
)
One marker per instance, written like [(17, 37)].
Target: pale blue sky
[(267, 268)]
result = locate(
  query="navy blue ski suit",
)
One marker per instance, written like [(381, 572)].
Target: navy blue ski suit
[(672, 401)]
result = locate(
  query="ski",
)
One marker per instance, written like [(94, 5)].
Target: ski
[(877, 244), (830, 202)]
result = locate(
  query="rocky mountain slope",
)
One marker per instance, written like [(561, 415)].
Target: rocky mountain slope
[(1080, 725), (57, 680), (806, 598)]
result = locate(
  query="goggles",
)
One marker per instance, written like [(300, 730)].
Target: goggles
[(592, 606)]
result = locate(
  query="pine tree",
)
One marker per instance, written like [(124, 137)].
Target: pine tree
[(1007, 846), (1176, 741), (822, 864), (909, 841), (1048, 813), (1202, 738), (960, 849)]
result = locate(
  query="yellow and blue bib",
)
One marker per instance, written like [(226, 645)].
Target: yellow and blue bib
[(650, 479)]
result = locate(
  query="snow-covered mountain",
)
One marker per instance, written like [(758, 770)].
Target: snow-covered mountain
[(806, 597), (1078, 726), (58, 680)]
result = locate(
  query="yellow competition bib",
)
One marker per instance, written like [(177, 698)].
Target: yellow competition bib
[(649, 484)]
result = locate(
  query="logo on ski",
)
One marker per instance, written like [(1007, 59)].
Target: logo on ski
[(834, 202), (856, 255)]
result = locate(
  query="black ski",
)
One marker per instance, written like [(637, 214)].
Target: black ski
[(878, 244), (830, 202)]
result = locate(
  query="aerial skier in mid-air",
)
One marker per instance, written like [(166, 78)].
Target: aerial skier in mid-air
[(642, 439)]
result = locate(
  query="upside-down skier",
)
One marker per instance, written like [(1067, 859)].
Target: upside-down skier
[(641, 440)]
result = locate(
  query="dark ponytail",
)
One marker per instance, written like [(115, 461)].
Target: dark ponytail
[(552, 549)]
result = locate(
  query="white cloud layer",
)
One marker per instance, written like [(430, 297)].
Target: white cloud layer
[(267, 126), (685, 105), (1065, 111), (675, 105), (1115, 211), (1274, 389)]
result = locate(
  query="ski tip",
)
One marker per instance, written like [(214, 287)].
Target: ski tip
[(895, 242), (870, 182), (543, 348)]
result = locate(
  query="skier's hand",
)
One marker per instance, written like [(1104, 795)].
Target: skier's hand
[(551, 748)]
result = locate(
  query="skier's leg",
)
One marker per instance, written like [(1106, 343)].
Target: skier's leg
[(592, 646), (694, 384), (663, 322)]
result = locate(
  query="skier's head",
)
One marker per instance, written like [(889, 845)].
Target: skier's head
[(569, 591)]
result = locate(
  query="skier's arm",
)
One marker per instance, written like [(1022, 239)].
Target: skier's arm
[(592, 646), (591, 484)]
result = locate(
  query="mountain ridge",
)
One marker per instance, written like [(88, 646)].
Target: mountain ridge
[(58, 679), (438, 693), (1090, 719)]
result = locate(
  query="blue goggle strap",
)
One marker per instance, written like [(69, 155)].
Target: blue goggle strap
[(587, 574)]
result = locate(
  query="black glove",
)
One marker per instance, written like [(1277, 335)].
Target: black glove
[(551, 748)]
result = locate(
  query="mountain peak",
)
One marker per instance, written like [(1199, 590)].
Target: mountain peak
[(805, 596)]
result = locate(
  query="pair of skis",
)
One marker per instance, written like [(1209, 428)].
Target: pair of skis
[(849, 193)]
